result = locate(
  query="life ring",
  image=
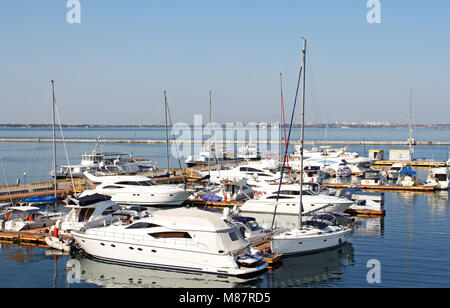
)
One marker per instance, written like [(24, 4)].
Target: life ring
[(7, 215), (258, 195), (29, 218)]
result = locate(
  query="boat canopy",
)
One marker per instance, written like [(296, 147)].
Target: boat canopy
[(91, 199), (46, 199), (243, 219), (408, 172)]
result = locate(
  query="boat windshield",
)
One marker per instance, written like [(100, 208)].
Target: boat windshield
[(137, 183)]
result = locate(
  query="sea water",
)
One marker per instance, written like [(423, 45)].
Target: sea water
[(409, 247)]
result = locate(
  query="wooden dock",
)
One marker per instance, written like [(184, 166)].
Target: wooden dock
[(415, 163), (36, 237), (382, 187)]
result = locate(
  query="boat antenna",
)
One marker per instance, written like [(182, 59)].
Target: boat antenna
[(287, 144), (55, 182)]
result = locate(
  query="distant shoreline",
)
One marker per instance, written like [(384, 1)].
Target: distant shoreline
[(261, 125), (153, 141)]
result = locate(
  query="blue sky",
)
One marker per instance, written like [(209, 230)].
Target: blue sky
[(114, 66)]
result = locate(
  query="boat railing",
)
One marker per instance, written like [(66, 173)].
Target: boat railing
[(141, 238)]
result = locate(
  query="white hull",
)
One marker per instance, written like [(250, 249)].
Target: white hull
[(139, 254), (292, 207), (293, 244), (149, 199)]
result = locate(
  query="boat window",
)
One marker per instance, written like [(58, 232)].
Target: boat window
[(281, 197), (170, 235), (112, 187), (142, 225), (253, 170), (233, 236), (109, 211), (85, 214), (137, 183), (441, 177), (263, 174)]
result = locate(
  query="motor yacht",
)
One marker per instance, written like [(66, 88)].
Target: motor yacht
[(101, 163), (249, 152), (184, 239), (137, 190), (209, 154), (89, 211), (439, 178), (373, 177), (256, 174), (265, 201), (19, 218), (394, 171)]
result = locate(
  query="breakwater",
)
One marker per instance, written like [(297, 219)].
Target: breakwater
[(156, 141)]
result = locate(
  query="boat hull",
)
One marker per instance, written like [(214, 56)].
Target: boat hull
[(140, 254), (305, 245)]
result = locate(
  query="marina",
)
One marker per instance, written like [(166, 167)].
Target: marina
[(192, 177), (176, 147)]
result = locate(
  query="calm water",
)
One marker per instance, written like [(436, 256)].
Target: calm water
[(411, 242)]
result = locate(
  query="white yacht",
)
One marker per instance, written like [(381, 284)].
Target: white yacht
[(324, 231), (137, 190), (249, 152), (228, 190), (344, 171), (394, 171), (265, 201), (439, 178), (408, 178), (19, 218), (313, 174), (209, 154), (256, 174), (183, 239), (101, 163), (319, 233), (373, 177), (88, 212)]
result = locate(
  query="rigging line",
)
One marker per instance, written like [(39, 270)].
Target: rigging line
[(65, 151), (284, 127), (285, 154), (6, 180), (173, 137)]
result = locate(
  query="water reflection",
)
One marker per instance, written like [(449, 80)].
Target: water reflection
[(438, 202), (369, 226), (118, 276), (321, 269)]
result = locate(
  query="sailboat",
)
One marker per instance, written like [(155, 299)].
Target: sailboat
[(320, 232), (408, 177)]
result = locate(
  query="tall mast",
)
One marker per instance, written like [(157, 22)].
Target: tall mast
[(210, 134), (410, 127), (55, 183), (167, 136), (302, 135), (281, 117)]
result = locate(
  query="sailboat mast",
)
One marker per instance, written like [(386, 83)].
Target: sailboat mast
[(302, 135), (410, 127), (55, 183), (167, 136), (281, 119), (210, 134)]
